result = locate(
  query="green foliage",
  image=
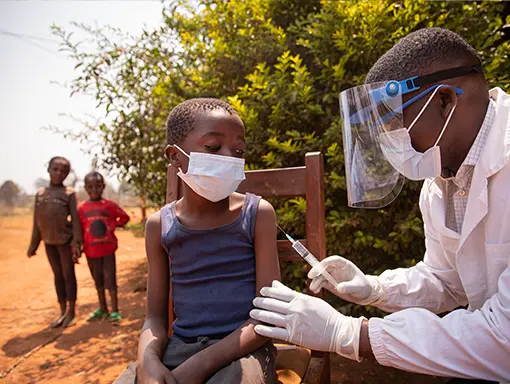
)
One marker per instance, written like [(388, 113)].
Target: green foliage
[(138, 229), (281, 64)]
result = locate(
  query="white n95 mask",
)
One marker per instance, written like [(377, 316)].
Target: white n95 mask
[(213, 177), (398, 150)]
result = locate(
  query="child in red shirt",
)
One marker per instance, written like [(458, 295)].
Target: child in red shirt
[(99, 218)]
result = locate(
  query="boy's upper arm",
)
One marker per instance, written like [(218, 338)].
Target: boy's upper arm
[(158, 279), (266, 254)]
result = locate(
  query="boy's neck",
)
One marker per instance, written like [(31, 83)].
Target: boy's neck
[(194, 204), (95, 200), (56, 185)]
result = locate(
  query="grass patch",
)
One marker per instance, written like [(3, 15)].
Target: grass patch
[(138, 229)]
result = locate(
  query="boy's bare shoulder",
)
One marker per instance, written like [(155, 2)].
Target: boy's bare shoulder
[(265, 206), (154, 221), (266, 212)]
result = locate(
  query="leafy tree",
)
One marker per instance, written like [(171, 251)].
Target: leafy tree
[(9, 192), (126, 75), (281, 64)]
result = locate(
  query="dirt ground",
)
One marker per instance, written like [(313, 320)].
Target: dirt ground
[(92, 352)]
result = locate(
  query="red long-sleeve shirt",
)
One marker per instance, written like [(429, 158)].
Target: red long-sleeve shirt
[(98, 221)]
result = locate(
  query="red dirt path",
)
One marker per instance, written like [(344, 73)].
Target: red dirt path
[(84, 353)]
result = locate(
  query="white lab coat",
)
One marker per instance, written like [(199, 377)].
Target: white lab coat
[(472, 269)]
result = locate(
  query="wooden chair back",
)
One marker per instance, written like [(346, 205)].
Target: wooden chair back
[(305, 181)]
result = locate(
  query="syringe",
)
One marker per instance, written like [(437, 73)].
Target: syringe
[(309, 258)]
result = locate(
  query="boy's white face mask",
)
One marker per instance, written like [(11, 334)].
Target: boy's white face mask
[(213, 177), (398, 150)]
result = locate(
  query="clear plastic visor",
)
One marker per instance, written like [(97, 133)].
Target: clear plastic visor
[(367, 112)]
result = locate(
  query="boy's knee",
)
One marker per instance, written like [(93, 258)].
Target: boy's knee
[(69, 275), (110, 282), (111, 287)]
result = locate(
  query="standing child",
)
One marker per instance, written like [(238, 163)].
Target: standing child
[(62, 238), (218, 248), (99, 218)]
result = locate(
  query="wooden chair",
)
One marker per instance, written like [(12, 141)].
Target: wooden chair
[(293, 365)]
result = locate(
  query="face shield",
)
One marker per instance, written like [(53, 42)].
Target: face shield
[(368, 113)]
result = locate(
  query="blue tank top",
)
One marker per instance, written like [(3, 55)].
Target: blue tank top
[(212, 272)]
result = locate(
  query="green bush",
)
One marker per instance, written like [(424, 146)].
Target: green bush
[(281, 64)]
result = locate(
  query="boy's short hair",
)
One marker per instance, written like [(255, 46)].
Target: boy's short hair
[(93, 175), (183, 117), (56, 158), (415, 53)]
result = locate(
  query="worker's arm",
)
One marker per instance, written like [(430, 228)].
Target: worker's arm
[(244, 339), (432, 284), (462, 344), (154, 335)]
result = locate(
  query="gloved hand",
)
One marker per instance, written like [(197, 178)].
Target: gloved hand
[(307, 321), (353, 285)]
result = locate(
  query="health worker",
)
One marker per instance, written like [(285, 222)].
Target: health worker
[(424, 113)]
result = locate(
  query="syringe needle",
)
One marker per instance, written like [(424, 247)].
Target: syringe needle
[(309, 258), (286, 235)]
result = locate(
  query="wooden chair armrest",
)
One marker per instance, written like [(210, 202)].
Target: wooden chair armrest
[(127, 376), (314, 371)]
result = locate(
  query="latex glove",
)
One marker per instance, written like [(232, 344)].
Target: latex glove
[(353, 284), (307, 321)]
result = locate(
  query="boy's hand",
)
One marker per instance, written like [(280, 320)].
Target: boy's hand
[(31, 252), (152, 371), (76, 255)]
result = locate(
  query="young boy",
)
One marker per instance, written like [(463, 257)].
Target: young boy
[(218, 248), (62, 238), (99, 218)]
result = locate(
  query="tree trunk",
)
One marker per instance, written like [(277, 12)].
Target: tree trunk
[(143, 208)]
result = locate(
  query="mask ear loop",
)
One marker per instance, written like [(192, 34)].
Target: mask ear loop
[(180, 150), (445, 124), (175, 146), (424, 108)]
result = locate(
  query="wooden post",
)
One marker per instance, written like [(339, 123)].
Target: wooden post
[(315, 212)]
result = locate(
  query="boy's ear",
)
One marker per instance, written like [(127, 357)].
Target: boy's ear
[(172, 155)]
